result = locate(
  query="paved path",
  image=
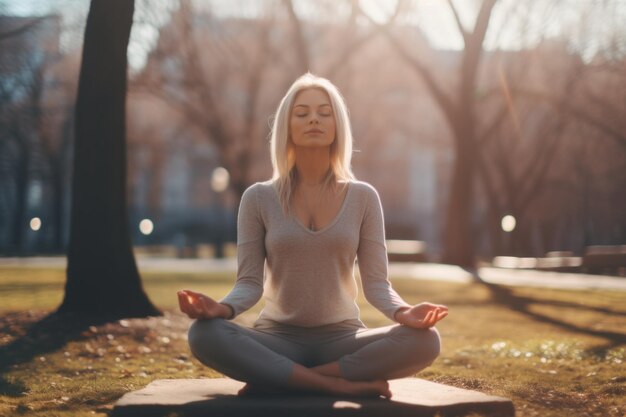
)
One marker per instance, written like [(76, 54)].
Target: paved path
[(512, 277), (426, 271)]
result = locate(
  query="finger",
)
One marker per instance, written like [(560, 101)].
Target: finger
[(183, 302), (193, 307), (425, 322), (433, 306), (192, 298), (436, 314), (186, 305), (427, 318), (439, 318), (190, 302), (432, 318), (197, 306), (194, 294), (188, 298)]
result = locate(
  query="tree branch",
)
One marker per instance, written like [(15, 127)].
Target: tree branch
[(459, 23), (473, 51), (300, 43), (544, 161), (482, 23), (489, 131), (23, 28), (562, 105), (448, 107), (352, 47)]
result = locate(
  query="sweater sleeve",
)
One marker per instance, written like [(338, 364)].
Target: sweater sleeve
[(248, 287), (372, 259)]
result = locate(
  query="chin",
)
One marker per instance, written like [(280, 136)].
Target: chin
[(315, 144)]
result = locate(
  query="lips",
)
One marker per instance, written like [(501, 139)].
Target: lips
[(314, 131)]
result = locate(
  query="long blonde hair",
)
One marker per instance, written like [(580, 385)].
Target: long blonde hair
[(282, 149)]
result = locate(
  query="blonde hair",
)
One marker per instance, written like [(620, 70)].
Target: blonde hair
[(282, 149)]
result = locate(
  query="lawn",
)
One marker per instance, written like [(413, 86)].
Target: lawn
[(553, 352)]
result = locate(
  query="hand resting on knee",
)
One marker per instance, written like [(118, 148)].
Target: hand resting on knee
[(421, 316), (202, 307)]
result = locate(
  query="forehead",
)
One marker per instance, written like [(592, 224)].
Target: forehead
[(311, 97)]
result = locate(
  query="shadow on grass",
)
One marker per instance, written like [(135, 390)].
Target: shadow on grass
[(46, 335), (505, 296), (11, 388)]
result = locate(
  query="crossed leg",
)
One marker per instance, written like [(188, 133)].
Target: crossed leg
[(388, 352), (263, 358)]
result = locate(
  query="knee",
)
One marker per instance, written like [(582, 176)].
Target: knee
[(424, 344), (432, 344), (205, 335)]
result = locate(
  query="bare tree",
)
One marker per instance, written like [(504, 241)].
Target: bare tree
[(460, 112), (519, 144), (251, 60), (197, 90), (102, 277), (36, 107), (21, 90), (515, 178)]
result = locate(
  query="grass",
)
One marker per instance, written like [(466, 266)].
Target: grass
[(553, 352)]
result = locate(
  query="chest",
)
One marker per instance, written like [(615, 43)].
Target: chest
[(317, 211), (338, 235)]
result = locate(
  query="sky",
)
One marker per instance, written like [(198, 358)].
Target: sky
[(432, 16)]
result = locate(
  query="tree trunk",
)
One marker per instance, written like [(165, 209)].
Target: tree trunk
[(21, 200), (102, 277), (458, 239), (57, 204)]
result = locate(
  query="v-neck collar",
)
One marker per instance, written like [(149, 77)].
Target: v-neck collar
[(331, 224)]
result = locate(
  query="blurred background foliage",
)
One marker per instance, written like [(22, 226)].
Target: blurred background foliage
[(488, 127)]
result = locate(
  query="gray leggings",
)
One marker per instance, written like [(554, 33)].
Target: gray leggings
[(266, 354)]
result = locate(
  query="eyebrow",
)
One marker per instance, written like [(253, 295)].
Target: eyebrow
[(307, 106)]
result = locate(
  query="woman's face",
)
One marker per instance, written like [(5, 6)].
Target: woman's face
[(312, 122)]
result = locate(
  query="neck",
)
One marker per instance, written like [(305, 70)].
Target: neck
[(312, 165)]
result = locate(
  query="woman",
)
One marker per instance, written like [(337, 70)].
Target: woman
[(297, 239)]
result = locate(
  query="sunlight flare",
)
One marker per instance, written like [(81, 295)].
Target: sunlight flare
[(508, 223), (35, 224), (146, 226)]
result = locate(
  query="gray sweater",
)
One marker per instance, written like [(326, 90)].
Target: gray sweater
[(308, 276)]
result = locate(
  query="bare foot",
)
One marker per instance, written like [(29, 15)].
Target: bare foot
[(363, 388), (342, 387)]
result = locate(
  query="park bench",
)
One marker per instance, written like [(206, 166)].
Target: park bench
[(560, 262), (514, 262), (605, 259), (406, 250), (549, 263)]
